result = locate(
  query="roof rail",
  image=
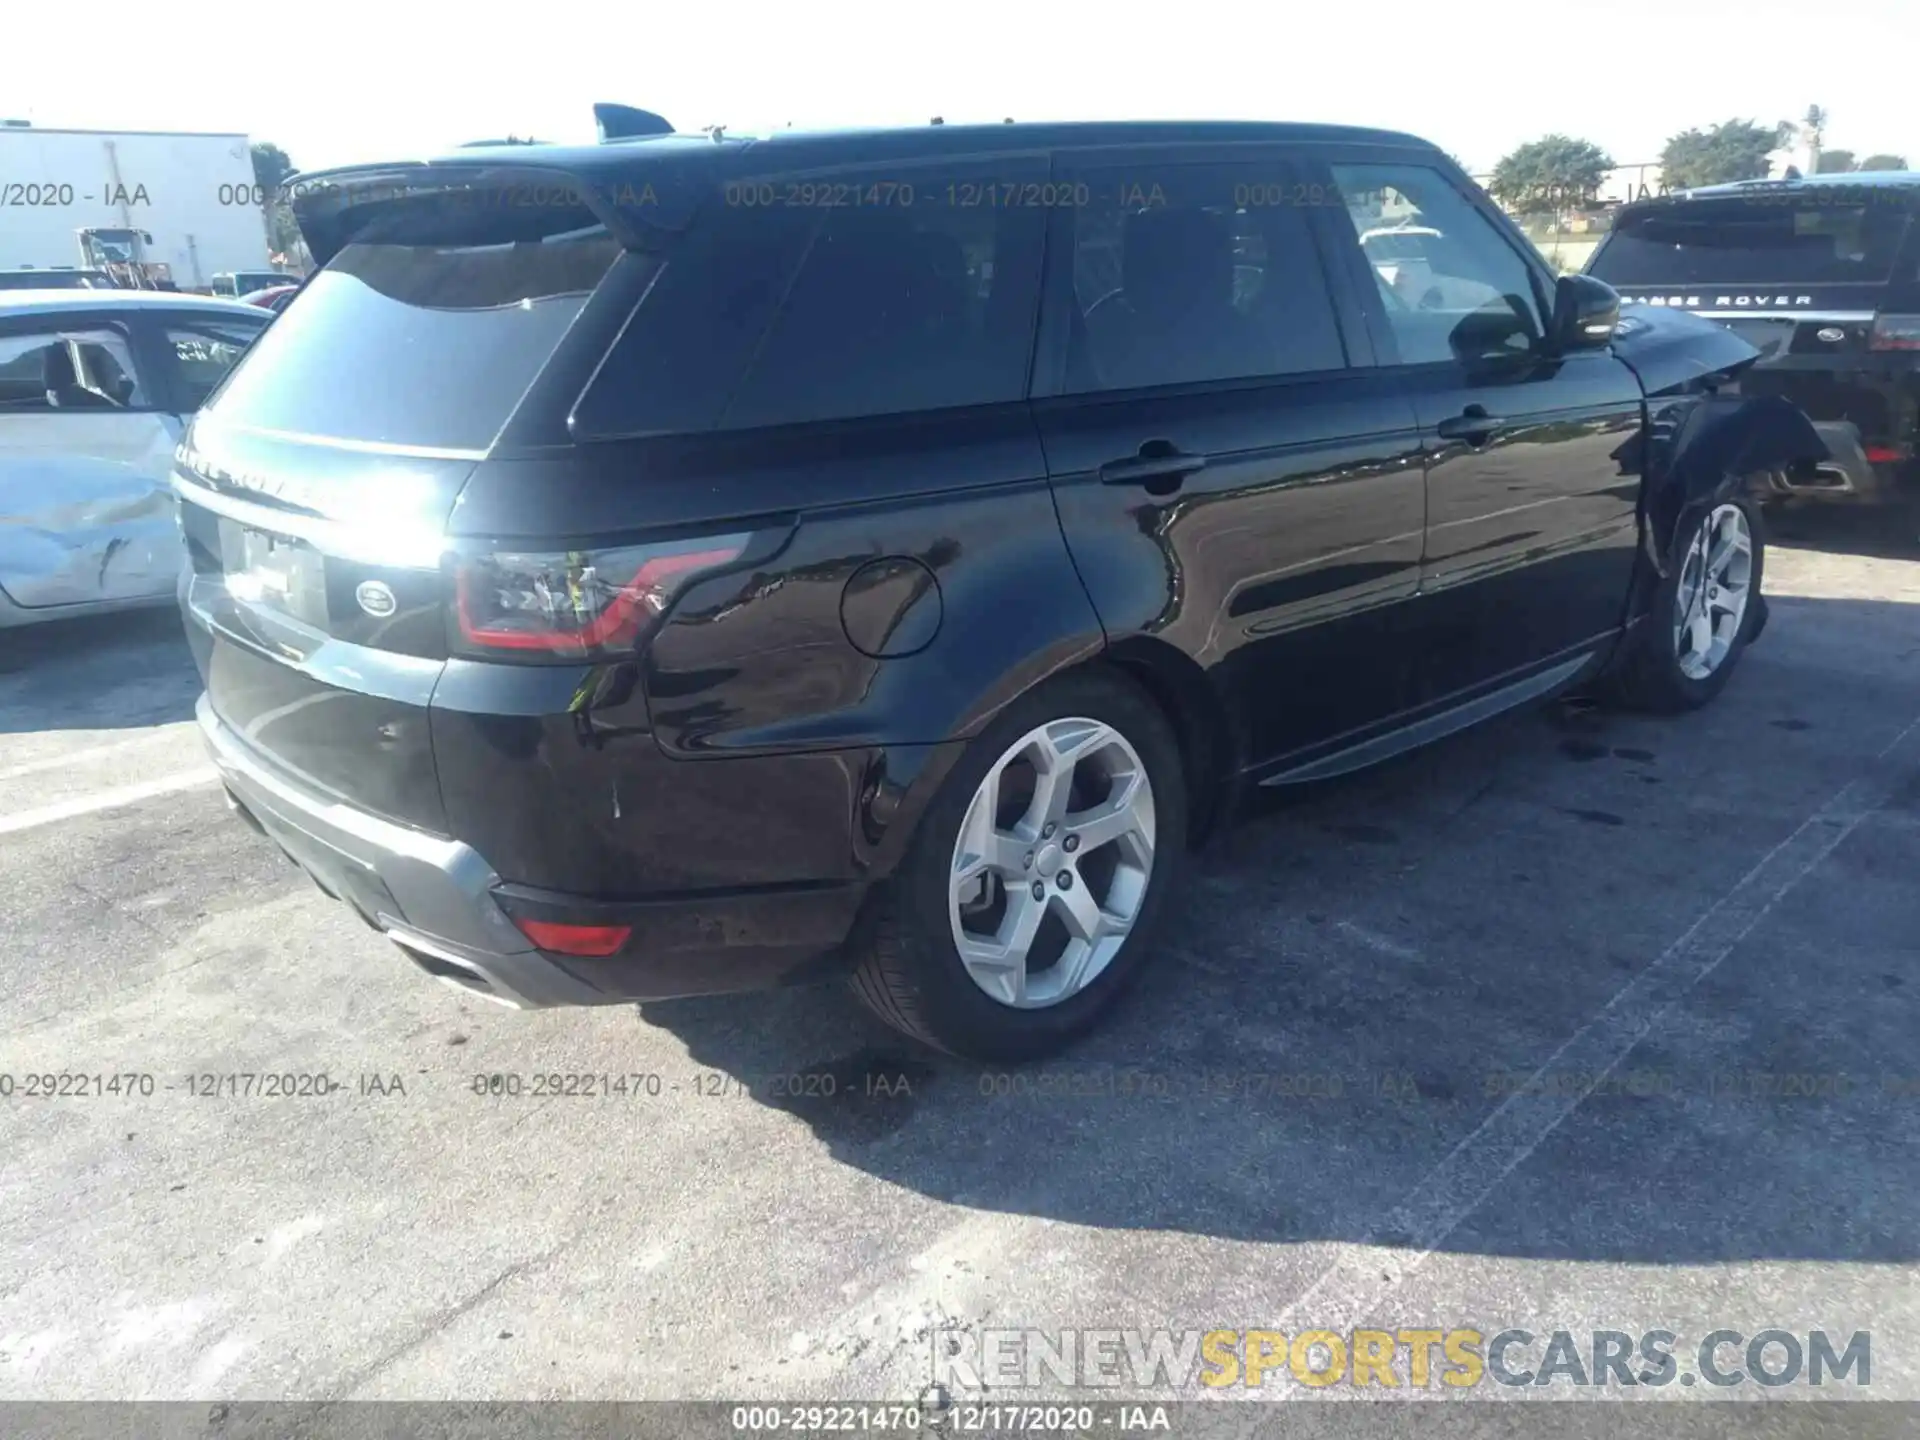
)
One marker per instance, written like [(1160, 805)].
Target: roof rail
[(623, 122)]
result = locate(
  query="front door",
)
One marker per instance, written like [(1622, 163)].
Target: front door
[(1533, 477), (1233, 477)]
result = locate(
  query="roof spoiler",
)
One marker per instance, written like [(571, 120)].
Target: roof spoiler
[(623, 122)]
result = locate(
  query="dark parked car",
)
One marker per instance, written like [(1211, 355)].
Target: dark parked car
[(56, 280), (683, 565), (1822, 275)]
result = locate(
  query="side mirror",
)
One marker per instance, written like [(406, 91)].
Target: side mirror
[(1585, 310)]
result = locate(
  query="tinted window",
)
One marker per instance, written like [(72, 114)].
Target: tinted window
[(1194, 272), (1451, 285), (68, 370), (675, 365), (831, 297), (1755, 240), (427, 345), (204, 354)]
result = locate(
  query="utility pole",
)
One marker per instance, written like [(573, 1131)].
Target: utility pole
[(1811, 130)]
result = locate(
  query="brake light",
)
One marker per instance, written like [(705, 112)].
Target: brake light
[(594, 940), (578, 604), (1885, 454), (1895, 332)]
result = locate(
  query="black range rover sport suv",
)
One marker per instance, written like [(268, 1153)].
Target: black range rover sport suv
[(681, 565)]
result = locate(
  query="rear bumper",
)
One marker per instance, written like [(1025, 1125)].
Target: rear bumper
[(443, 904), (1846, 475)]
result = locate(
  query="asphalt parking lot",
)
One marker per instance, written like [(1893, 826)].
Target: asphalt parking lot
[(1581, 1021)]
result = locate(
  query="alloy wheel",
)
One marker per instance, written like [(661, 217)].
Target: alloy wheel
[(1052, 862), (1710, 603)]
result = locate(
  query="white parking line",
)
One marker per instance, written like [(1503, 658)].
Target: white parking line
[(107, 799), (72, 758), (1346, 1292)]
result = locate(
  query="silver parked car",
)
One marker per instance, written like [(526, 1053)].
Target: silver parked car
[(95, 390)]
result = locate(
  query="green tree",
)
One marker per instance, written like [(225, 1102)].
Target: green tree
[(270, 166), (1884, 161), (1548, 174), (1834, 162), (1731, 150), (283, 231)]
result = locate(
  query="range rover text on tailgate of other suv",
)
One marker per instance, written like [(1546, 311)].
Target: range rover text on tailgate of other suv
[(681, 565), (1823, 276)]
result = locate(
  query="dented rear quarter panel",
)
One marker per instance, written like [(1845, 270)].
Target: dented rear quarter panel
[(86, 513)]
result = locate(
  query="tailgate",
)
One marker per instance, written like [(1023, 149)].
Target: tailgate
[(317, 484), (321, 640)]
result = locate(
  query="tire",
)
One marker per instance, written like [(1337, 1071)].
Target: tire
[(909, 969), (1655, 676)]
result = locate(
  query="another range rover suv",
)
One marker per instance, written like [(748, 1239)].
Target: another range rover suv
[(1822, 275), (682, 565)]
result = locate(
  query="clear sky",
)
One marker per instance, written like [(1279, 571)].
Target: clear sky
[(346, 80)]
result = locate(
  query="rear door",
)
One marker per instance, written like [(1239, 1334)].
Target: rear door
[(317, 484), (1233, 476), (86, 443), (1532, 469)]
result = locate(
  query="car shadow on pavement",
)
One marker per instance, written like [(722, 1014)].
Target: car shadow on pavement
[(105, 672), (1362, 993)]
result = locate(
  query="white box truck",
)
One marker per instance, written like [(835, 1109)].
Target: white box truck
[(178, 206)]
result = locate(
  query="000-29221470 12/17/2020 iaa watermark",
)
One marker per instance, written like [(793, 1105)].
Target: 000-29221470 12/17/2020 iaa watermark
[(968, 1364)]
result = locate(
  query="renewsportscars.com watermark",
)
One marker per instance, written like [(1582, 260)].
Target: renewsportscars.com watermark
[(1007, 1362)]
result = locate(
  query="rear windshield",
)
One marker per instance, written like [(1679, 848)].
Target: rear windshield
[(414, 344), (1757, 240)]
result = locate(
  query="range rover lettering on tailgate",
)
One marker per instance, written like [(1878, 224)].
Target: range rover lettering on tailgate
[(643, 593)]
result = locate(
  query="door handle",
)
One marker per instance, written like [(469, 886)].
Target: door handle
[(1159, 467), (1473, 425)]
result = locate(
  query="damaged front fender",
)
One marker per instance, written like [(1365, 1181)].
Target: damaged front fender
[(1704, 439), (1703, 448)]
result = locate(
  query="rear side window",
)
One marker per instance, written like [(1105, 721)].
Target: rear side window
[(832, 297), (424, 345), (1755, 240), (1185, 273)]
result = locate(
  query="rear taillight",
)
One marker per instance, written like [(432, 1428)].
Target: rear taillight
[(1895, 332), (578, 604)]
